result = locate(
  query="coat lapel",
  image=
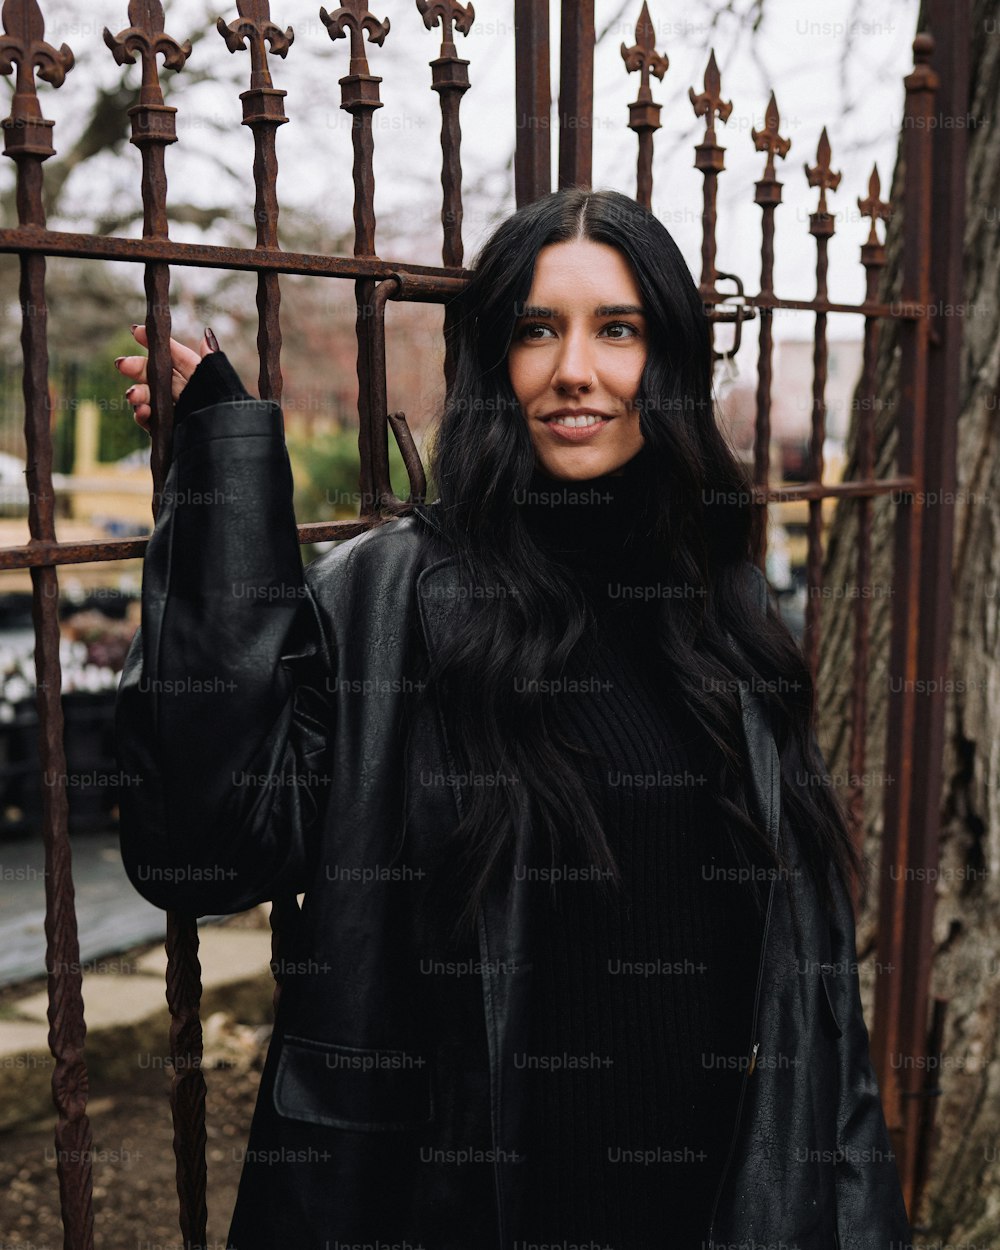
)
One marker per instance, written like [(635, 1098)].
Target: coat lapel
[(504, 932)]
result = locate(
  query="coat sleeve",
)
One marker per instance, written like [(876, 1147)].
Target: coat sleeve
[(871, 1212), (223, 716)]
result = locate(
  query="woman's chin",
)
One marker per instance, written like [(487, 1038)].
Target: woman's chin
[(580, 462)]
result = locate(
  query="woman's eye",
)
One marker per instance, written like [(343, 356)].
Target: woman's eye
[(622, 325), (525, 330)]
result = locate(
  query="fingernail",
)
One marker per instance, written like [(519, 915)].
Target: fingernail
[(131, 389), (136, 326), (118, 360), (210, 338)]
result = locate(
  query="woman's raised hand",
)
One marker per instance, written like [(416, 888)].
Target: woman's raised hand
[(184, 361)]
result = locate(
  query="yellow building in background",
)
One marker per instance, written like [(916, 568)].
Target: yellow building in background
[(95, 503)]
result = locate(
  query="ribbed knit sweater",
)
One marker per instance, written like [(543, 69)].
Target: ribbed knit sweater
[(642, 1003)]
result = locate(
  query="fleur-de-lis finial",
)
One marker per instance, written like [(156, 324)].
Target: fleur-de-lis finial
[(709, 103), (642, 56), (873, 206), (23, 44), (146, 37), (354, 18), (452, 15), (821, 175), (769, 140), (254, 27)]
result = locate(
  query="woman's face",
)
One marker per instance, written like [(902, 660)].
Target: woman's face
[(579, 346)]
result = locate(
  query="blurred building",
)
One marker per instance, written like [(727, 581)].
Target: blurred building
[(791, 428)]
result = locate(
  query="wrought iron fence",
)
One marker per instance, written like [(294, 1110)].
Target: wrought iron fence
[(925, 454)]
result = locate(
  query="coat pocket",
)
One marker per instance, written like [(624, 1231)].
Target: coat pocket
[(346, 1087), (826, 977)]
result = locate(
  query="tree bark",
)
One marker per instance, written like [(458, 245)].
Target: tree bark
[(962, 1202)]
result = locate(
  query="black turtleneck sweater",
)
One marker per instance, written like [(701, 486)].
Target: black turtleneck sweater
[(642, 1002)]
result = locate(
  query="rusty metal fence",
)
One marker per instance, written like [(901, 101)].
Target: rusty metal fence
[(933, 216)]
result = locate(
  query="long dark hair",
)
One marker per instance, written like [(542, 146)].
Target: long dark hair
[(506, 642)]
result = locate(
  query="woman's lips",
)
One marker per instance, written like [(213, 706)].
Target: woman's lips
[(576, 433)]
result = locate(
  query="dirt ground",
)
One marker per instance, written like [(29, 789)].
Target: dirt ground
[(135, 1194)]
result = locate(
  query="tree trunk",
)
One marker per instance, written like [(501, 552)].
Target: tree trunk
[(962, 1202)]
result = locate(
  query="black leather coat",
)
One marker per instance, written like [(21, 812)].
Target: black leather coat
[(261, 708)]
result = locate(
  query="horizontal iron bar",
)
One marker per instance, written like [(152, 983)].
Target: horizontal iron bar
[(445, 282), (837, 490), (99, 551), (102, 550), (900, 310), (442, 284)]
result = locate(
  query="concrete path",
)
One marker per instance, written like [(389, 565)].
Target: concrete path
[(111, 914), (126, 1014)]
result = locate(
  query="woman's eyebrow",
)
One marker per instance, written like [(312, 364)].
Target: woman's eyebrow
[(619, 310), (602, 310)]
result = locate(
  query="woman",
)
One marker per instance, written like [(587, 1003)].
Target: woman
[(576, 957)]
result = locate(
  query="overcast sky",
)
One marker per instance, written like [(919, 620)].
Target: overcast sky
[(838, 63)]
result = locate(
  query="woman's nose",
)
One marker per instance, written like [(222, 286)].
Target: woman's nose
[(574, 368)]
